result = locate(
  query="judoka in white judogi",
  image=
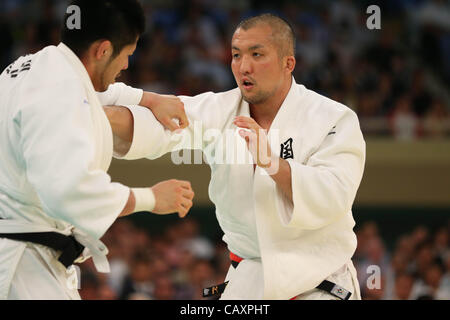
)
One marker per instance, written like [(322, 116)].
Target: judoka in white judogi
[(288, 248), (55, 148)]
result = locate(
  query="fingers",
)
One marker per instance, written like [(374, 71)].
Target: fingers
[(182, 118), (244, 119), (184, 209), (170, 124), (185, 201), (185, 184), (171, 108), (242, 124), (245, 133), (188, 194), (248, 135), (180, 114), (246, 122)]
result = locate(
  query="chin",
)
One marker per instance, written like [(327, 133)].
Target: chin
[(106, 85), (252, 100)]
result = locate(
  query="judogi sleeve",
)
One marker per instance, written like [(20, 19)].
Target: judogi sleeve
[(57, 140), (325, 187), (120, 94), (151, 140)]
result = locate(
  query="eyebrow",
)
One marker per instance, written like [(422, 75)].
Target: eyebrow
[(257, 46)]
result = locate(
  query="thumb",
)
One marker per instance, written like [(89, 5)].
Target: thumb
[(170, 124), (183, 121), (245, 134)]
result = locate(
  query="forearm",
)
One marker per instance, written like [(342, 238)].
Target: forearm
[(120, 94), (122, 125), (121, 120), (282, 177), (129, 206)]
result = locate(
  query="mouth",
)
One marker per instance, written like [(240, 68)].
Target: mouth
[(247, 84)]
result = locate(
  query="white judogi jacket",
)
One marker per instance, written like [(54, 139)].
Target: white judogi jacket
[(300, 244), (55, 148)]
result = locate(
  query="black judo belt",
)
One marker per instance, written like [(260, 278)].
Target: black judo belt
[(325, 285), (70, 247)]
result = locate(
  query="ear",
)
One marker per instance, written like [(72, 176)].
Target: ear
[(290, 63), (104, 50)]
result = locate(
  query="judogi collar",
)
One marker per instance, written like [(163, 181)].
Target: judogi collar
[(76, 63), (104, 149)]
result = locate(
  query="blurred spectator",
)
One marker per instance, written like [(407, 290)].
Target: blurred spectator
[(201, 275), (375, 255), (89, 286), (424, 260), (140, 279), (441, 244), (164, 289), (420, 235), (426, 288), (398, 269), (93, 286), (404, 122), (403, 286), (443, 292), (437, 121), (199, 246)]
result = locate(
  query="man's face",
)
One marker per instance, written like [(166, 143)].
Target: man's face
[(114, 66), (256, 65)]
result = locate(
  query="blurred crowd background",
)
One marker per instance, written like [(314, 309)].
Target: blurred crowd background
[(416, 267), (395, 78), (178, 262)]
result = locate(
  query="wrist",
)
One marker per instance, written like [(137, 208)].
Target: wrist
[(272, 166), (148, 100), (144, 199)]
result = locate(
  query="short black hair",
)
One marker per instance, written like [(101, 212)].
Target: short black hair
[(119, 21), (282, 31)]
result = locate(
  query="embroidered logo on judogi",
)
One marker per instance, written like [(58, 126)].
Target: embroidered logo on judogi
[(340, 292), (286, 151), (14, 72)]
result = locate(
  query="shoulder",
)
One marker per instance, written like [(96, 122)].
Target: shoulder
[(233, 94), (320, 105), (43, 70), (50, 82), (230, 94), (50, 74), (46, 65), (222, 101), (51, 66)]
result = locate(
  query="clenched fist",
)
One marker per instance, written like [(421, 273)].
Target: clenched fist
[(173, 196), (165, 108)]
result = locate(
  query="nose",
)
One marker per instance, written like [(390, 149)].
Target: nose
[(245, 65)]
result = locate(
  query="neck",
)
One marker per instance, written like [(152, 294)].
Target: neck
[(91, 70), (265, 112)]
